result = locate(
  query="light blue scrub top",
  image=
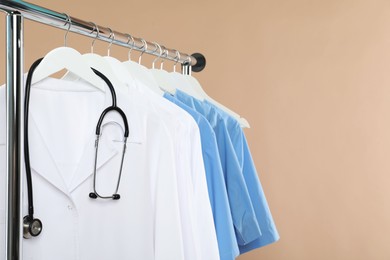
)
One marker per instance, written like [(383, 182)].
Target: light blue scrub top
[(244, 218), (227, 244), (259, 202)]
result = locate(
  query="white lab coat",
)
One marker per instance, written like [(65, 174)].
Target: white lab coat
[(143, 224)]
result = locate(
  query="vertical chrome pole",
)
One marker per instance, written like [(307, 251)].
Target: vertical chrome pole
[(14, 103)]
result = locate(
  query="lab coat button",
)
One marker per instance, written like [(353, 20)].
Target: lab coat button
[(70, 207)]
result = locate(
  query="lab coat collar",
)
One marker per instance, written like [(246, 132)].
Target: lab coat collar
[(41, 160), (43, 163)]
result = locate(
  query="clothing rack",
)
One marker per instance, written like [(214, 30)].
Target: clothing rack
[(16, 11)]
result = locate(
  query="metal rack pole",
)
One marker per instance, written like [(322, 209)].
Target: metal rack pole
[(86, 28), (14, 103)]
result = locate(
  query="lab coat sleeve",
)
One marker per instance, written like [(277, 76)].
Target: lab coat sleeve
[(188, 210), (168, 233)]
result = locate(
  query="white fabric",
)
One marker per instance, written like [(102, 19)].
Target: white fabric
[(143, 224), (200, 241)]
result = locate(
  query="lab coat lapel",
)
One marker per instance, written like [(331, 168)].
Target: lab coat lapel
[(42, 162), (106, 153)]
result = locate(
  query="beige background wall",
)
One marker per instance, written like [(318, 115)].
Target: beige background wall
[(311, 77)]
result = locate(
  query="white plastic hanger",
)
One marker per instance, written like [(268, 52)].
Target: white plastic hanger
[(243, 122), (69, 59), (99, 63), (196, 85), (139, 72), (182, 82), (121, 71), (163, 78)]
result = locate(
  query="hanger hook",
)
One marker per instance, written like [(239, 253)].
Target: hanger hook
[(68, 21), (165, 55), (95, 28), (159, 55), (177, 58), (143, 48), (130, 38), (189, 59), (112, 34), (187, 63), (155, 48)]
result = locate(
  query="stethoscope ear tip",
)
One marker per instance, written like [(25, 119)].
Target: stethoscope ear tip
[(116, 197), (93, 195)]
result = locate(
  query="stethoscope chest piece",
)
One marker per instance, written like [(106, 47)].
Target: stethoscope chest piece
[(93, 195), (32, 227)]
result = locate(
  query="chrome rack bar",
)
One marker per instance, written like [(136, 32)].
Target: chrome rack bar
[(60, 20)]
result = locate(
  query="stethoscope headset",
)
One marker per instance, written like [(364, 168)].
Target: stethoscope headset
[(32, 227)]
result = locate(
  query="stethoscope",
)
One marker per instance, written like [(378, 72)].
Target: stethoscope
[(32, 227)]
